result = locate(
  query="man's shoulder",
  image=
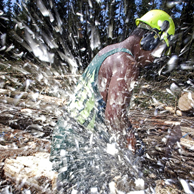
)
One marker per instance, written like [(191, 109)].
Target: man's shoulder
[(124, 58)]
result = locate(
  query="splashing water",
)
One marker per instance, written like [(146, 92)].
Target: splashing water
[(91, 161), (88, 162)]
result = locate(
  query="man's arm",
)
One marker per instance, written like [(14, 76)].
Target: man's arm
[(120, 92), (118, 99)]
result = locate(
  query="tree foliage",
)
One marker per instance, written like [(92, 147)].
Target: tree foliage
[(9, 7), (72, 32), (1, 5), (2, 21)]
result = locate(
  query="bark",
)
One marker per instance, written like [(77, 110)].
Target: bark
[(33, 171), (26, 126), (15, 97), (186, 102)]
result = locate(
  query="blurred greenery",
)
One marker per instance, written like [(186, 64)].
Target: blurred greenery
[(79, 29)]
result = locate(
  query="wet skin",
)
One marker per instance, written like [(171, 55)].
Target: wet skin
[(116, 78)]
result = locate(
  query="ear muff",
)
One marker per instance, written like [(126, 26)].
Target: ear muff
[(149, 41)]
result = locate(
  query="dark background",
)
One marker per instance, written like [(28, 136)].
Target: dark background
[(81, 28)]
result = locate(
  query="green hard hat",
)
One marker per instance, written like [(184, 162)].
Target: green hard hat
[(155, 19)]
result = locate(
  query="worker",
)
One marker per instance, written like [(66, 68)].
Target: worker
[(102, 96)]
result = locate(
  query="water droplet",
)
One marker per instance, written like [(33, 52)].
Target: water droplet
[(186, 186), (171, 4), (111, 149), (174, 88), (95, 39)]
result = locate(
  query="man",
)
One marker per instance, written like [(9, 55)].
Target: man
[(104, 91)]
